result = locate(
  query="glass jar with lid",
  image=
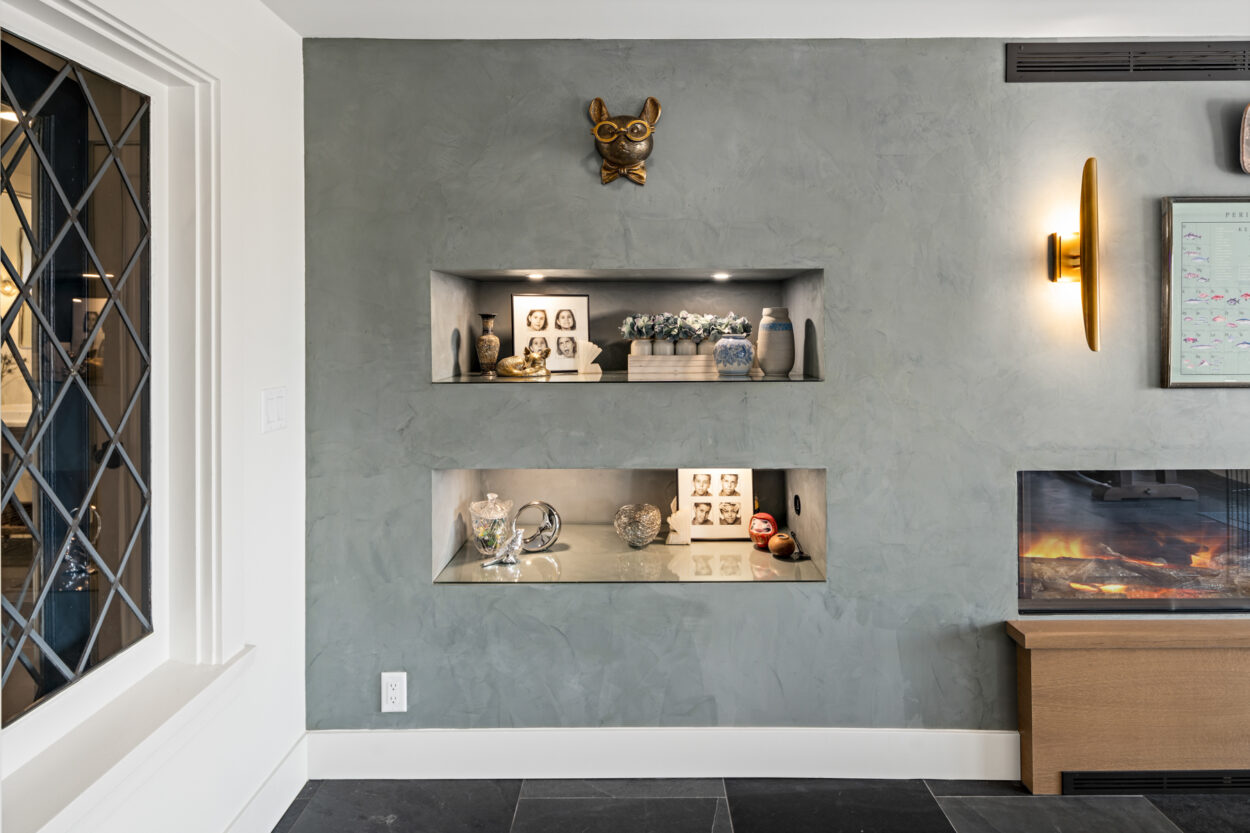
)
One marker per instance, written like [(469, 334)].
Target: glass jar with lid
[(490, 523)]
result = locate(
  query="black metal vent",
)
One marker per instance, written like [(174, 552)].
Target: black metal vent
[(1161, 781), (1129, 61)]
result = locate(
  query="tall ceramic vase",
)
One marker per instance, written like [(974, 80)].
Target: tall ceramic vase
[(488, 345), (734, 355), (776, 342)]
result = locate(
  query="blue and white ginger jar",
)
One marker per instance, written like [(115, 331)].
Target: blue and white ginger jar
[(734, 355)]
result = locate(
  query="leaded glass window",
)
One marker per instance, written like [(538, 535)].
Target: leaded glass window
[(75, 238)]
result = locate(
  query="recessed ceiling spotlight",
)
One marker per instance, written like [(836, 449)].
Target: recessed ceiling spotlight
[(720, 276), (536, 276)]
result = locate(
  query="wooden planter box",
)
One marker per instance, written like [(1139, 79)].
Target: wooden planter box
[(672, 367), (1131, 695)]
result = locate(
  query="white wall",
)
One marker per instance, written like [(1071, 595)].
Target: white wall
[(206, 779), (705, 19)]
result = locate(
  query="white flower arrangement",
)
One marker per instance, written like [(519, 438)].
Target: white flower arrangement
[(669, 327), (638, 326)]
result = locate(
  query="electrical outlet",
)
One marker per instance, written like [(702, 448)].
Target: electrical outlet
[(394, 691)]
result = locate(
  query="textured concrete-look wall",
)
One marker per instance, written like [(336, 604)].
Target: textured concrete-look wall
[(921, 182)]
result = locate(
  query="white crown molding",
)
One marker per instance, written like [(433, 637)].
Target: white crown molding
[(665, 753), (718, 19)]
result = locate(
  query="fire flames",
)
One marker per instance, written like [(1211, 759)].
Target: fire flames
[(1129, 577), (1057, 546)]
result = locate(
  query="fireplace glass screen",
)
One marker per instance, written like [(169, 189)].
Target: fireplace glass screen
[(1129, 541)]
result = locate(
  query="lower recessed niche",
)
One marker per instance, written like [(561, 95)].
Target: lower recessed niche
[(589, 549), (457, 298)]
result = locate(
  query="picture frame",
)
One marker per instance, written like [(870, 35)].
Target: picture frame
[(1206, 292), (564, 319), (720, 501), (1245, 139)]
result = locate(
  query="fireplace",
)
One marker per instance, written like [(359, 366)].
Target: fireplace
[(1134, 541)]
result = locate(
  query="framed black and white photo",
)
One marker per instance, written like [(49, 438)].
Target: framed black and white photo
[(554, 322), (720, 502)]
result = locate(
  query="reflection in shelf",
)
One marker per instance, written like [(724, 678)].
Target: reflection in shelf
[(617, 376), (590, 553)]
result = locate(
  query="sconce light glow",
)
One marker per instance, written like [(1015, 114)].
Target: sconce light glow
[(1074, 257), (7, 114), (7, 287), (536, 276), (720, 276)]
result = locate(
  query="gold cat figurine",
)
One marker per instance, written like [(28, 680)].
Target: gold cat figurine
[(533, 363)]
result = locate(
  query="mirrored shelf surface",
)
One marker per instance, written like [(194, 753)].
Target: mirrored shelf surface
[(613, 376), (590, 553)]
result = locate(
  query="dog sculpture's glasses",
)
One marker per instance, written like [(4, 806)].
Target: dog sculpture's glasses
[(636, 130)]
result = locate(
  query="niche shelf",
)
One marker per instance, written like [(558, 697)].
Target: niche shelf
[(589, 550), (457, 297)]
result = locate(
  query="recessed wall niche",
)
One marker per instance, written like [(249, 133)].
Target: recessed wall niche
[(588, 548), (458, 297)]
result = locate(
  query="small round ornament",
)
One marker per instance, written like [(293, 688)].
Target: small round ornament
[(637, 523), (781, 545)]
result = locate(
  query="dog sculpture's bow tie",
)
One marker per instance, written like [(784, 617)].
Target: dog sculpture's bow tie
[(636, 173)]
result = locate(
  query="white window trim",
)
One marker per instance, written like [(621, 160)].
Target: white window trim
[(190, 590)]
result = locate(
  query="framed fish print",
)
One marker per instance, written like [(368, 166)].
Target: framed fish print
[(1206, 292), (556, 322), (720, 502)]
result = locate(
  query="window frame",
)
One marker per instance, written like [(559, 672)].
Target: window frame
[(189, 592)]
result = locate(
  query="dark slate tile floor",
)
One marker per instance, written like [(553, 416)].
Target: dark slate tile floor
[(743, 805)]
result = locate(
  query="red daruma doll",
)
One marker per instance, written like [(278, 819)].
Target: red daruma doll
[(763, 527)]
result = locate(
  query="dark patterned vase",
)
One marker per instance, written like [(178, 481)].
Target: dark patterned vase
[(488, 345)]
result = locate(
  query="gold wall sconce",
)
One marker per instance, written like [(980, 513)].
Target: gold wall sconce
[(1074, 257)]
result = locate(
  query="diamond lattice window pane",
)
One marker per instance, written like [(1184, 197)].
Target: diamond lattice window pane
[(74, 296)]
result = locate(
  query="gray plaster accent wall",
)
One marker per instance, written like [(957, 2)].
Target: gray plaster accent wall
[(921, 182)]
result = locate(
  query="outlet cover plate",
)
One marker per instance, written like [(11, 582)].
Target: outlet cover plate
[(394, 691)]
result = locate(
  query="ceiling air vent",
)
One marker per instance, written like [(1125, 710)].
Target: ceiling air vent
[(1160, 781), (1129, 61)]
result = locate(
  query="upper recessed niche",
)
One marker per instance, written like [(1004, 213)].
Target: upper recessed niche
[(457, 298)]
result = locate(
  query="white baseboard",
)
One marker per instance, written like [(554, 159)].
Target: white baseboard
[(665, 753), (274, 796)]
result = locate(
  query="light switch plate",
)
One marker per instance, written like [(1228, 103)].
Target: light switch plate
[(272, 409)]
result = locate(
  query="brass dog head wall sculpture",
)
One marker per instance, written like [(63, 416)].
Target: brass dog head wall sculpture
[(624, 142)]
